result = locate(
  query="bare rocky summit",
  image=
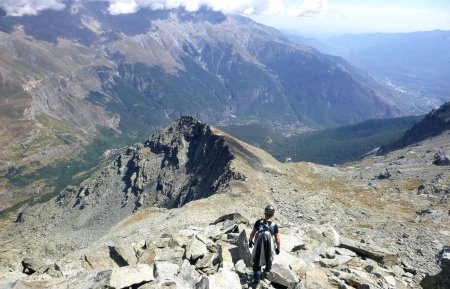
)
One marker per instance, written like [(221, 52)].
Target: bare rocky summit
[(176, 210)]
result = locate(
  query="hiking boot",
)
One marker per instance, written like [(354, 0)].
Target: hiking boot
[(258, 285)]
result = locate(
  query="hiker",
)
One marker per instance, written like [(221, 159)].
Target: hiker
[(266, 237)]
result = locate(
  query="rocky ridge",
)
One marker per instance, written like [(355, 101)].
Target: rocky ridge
[(218, 256), (379, 218), (434, 123)]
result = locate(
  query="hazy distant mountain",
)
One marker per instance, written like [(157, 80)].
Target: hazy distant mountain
[(417, 64), (67, 75), (321, 46)]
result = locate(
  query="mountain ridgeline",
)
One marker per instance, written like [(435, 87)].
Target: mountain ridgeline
[(74, 76), (432, 125)]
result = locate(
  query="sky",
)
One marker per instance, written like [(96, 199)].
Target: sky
[(318, 18), (363, 16)]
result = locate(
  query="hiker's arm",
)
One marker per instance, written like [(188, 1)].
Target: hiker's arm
[(277, 240), (252, 234)]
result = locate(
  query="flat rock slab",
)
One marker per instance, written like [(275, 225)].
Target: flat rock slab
[(100, 259), (374, 252), (131, 275), (224, 279), (165, 270)]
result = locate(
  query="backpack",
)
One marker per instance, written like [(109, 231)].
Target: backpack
[(264, 226), (264, 243)]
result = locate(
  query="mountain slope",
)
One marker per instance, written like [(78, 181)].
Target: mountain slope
[(434, 123), (85, 228), (78, 73)]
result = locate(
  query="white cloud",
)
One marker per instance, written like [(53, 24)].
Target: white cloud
[(247, 7), (309, 8), (29, 7), (230, 6)]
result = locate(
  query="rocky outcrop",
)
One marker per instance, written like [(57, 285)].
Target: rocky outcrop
[(441, 280), (434, 123), (441, 159)]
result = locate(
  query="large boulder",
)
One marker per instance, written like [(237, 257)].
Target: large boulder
[(282, 275), (441, 159), (128, 276), (100, 259), (244, 250), (224, 279), (292, 242), (165, 270), (124, 252), (374, 252), (196, 249), (169, 254)]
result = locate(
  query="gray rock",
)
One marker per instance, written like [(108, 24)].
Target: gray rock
[(165, 270), (169, 254), (125, 252), (330, 253), (237, 218), (345, 252), (161, 285), (31, 266), (240, 267), (282, 275), (328, 263), (232, 238), (374, 252), (390, 280), (195, 249), (325, 234), (441, 159), (208, 264), (224, 279), (131, 275), (292, 243), (356, 281), (244, 250), (315, 278), (444, 259), (100, 259), (225, 255), (187, 278)]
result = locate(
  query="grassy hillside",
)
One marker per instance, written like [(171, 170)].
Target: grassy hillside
[(58, 175), (330, 146)]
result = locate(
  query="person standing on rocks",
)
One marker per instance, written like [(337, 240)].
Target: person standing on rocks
[(266, 235)]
